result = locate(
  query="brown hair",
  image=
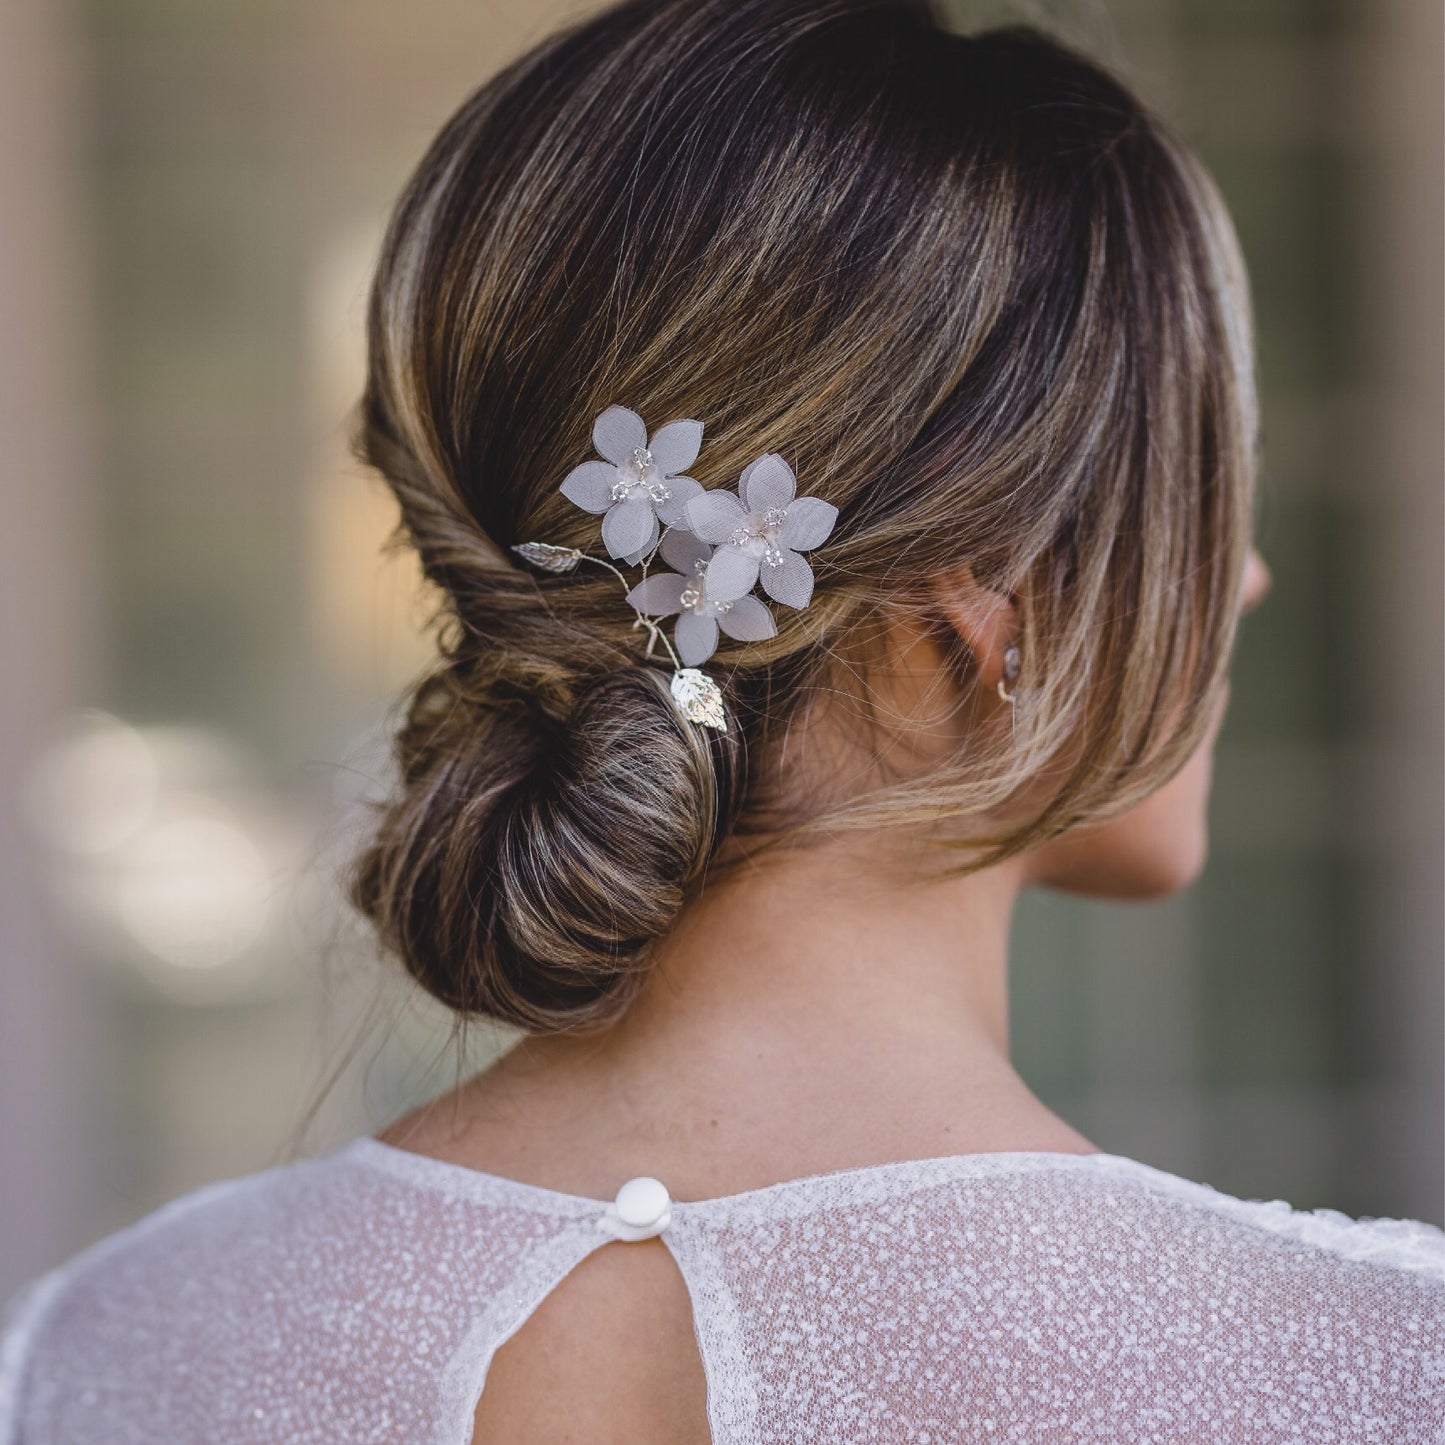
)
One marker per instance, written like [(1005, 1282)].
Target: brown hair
[(967, 285)]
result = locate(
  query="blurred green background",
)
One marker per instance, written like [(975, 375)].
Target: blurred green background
[(202, 640)]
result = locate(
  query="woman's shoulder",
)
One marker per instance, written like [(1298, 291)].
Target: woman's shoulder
[(1392, 1242), (319, 1270), (126, 1276), (213, 1223), (1047, 1274), (208, 1209), (1075, 1193), (317, 1216)]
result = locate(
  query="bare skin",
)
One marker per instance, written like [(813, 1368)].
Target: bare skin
[(836, 978)]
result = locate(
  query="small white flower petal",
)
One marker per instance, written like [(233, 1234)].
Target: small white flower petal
[(808, 523), (748, 620), (630, 526), (715, 515), (792, 583), (590, 486), (675, 446), (682, 551), (770, 483), (658, 596), (683, 490), (730, 574), (696, 638), (617, 433)]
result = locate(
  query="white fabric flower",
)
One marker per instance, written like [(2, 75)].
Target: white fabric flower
[(761, 533), (745, 619), (639, 483)]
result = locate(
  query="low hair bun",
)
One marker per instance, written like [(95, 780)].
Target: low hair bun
[(528, 865)]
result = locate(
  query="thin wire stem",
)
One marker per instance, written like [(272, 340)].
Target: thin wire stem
[(655, 633)]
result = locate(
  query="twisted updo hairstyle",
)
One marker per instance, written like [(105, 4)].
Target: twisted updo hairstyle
[(970, 288)]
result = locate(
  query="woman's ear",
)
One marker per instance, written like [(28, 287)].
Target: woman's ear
[(985, 621)]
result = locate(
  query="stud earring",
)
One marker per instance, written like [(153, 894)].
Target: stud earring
[(1012, 666)]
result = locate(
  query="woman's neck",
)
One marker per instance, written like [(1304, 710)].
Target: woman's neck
[(818, 1009)]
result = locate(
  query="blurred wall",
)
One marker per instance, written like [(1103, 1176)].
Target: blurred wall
[(203, 639), (50, 625)]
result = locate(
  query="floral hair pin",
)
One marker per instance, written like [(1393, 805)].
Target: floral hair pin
[(717, 544)]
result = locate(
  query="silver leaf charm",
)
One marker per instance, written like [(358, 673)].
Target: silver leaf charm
[(699, 697), (548, 557)]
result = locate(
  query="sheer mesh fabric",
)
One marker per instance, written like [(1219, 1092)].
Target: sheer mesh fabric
[(994, 1297)]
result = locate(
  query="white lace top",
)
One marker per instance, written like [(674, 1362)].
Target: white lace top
[(1012, 1297)]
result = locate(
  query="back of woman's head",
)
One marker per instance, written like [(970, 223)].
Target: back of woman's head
[(970, 289)]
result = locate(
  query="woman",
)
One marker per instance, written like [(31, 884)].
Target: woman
[(904, 577)]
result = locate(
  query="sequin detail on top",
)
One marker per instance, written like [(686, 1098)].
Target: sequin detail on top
[(1032, 1299)]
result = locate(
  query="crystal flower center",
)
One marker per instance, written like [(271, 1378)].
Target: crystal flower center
[(692, 597), (638, 476), (758, 535)]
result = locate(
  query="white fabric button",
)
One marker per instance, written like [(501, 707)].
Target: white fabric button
[(642, 1209), (642, 1202)]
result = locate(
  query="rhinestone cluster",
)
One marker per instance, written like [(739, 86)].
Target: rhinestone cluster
[(635, 480), (763, 529), (692, 595)]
